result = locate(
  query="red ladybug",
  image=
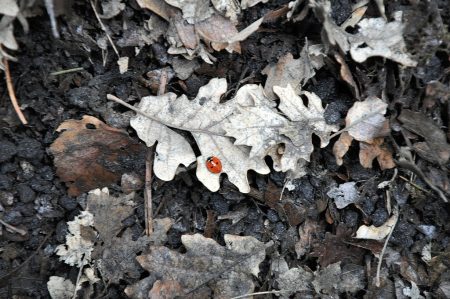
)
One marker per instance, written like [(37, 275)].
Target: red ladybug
[(214, 165)]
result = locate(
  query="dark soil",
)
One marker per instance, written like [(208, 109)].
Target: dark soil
[(32, 197)]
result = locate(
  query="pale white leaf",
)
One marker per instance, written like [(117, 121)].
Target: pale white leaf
[(344, 195), (60, 288)]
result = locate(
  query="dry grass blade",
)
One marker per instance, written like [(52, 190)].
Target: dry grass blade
[(12, 94)]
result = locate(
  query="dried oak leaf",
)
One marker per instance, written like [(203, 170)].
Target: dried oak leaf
[(368, 152), (436, 148), (334, 248), (375, 36), (288, 140), (295, 72), (344, 195), (90, 154), (226, 270), (204, 117)]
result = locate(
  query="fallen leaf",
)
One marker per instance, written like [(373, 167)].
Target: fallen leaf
[(346, 75), (365, 120), (218, 31), (228, 8), (60, 288), (294, 72), (159, 7), (79, 241), (436, 148), (341, 147), (306, 233), (377, 233), (166, 289), (193, 10), (333, 280), (204, 260), (109, 212), (204, 118), (368, 152), (344, 195), (375, 36), (333, 248), (111, 8), (89, 154), (293, 281)]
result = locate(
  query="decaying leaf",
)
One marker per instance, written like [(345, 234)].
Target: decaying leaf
[(365, 120), (377, 233), (344, 195), (60, 288), (369, 151), (375, 36), (90, 154), (306, 233), (111, 8), (293, 281), (436, 149), (294, 72), (366, 123), (109, 212), (333, 280), (79, 241), (165, 289), (227, 271), (204, 117), (334, 248)]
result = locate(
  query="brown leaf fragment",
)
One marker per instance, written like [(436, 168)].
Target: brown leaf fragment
[(306, 232), (341, 147), (90, 154), (346, 75), (159, 7), (186, 32), (420, 124), (166, 289), (368, 152), (216, 31), (334, 248)]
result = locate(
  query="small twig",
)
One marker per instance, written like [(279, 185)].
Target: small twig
[(415, 185), (12, 94), (104, 29), (15, 229), (74, 296), (63, 72), (380, 258), (148, 191), (49, 6), (259, 293)]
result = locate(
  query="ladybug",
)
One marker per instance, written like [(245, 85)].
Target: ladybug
[(214, 165)]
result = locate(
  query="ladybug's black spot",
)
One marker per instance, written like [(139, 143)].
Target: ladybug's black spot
[(91, 126), (202, 101)]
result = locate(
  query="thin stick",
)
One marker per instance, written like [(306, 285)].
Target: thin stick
[(49, 6), (12, 94), (14, 229), (259, 293), (148, 191), (63, 72), (380, 259), (104, 29)]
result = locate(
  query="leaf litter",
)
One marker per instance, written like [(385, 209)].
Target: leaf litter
[(277, 120)]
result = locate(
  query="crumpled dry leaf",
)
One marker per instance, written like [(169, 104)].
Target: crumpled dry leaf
[(365, 120), (436, 149), (368, 152), (228, 8), (79, 241), (109, 212), (90, 154), (375, 36), (305, 232), (204, 117), (111, 8), (344, 195), (193, 10), (60, 288), (293, 281), (294, 72), (377, 233), (204, 260), (165, 289), (333, 280)]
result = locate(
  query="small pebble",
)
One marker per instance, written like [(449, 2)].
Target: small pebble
[(26, 194), (7, 149), (6, 198)]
